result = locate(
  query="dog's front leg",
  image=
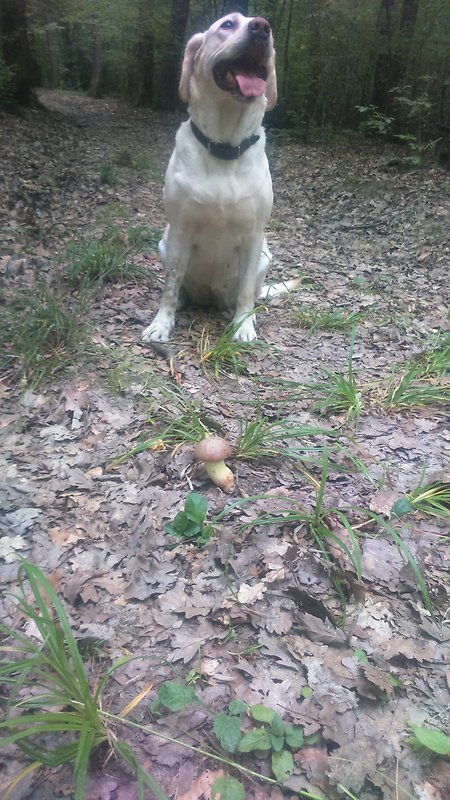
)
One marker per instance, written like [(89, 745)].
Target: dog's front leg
[(252, 268), (174, 256)]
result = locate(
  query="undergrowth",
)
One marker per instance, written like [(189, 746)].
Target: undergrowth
[(42, 332)]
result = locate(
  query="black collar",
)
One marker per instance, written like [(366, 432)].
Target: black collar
[(227, 152)]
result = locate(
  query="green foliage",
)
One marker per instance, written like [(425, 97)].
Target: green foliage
[(227, 788), (328, 319), (342, 395), (414, 388), (177, 420), (375, 123), (173, 696), (103, 260), (40, 332), (431, 739), (226, 355), (432, 498), (50, 692), (190, 523)]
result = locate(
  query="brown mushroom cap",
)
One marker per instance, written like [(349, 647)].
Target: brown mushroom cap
[(213, 448)]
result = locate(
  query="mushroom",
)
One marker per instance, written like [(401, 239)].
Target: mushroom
[(212, 451)]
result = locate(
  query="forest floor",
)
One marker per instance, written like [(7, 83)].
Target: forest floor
[(284, 606)]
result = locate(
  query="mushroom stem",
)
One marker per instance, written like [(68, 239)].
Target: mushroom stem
[(220, 474)]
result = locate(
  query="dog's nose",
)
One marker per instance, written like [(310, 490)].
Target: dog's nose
[(259, 28)]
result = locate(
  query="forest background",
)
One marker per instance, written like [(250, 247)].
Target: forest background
[(377, 65)]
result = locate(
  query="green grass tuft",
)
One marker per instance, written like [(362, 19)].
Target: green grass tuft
[(41, 333)]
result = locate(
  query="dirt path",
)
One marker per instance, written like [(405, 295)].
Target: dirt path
[(252, 615)]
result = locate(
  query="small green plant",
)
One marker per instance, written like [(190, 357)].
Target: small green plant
[(52, 713), (190, 523), (264, 439), (413, 389), (144, 237), (226, 355), (108, 258), (432, 498), (342, 394), (270, 736), (425, 738), (40, 334), (178, 420), (108, 174), (375, 123), (415, 110), (328, 319)]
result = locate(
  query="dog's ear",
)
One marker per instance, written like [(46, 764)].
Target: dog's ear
[(192, 48), (271, 89)]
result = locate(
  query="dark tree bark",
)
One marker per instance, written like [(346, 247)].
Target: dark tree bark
[(144, 69), (97, 60), (16, 50), (167, 97), (391, 68)]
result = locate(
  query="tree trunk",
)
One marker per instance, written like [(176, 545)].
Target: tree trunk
[(167, 97), (97, 60), (391, 68), (144, 70), (16, 50)]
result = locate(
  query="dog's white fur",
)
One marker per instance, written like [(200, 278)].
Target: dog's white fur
[(214, 246)]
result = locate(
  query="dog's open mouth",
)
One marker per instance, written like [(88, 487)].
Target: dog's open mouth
[(242, 77)]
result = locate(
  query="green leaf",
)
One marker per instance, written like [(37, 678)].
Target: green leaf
[(183, 526), (402, 507), (313, 738), (195, 507), (262, 714), (276, 741), (254, 740), (277, 726), (282, 765), (294, 736), (361, 656), (226, 788), (306, 692), (237, 707), (228, 731), (175, 695), (433, 740)]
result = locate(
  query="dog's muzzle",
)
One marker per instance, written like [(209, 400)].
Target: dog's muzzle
[(245, 76)]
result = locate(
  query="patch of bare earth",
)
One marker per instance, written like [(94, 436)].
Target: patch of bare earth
[(251, 611)]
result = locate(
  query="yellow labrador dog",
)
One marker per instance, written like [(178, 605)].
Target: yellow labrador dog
[(218, 190)]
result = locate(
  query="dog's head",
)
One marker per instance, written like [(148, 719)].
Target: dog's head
[(236, 56)]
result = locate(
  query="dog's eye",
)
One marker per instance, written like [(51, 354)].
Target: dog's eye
[(227, 24)]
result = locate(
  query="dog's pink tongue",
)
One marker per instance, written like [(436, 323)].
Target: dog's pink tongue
[(250, 85)]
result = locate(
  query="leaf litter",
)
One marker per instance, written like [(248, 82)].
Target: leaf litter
[(254, 613)]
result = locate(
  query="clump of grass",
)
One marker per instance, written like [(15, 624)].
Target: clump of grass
[(52, 714), (226, 355), (262, 438), (108, 173), (327, 319), (144, 237), (41, 334), (429, 498), (342, 393), (432, 498), (106, 259), (178, 420), (413, 389)]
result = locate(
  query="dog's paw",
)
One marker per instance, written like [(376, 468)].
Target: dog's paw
[(159, 330), (246, 330)]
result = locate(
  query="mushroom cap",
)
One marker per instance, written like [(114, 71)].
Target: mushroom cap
[(213, 448)]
